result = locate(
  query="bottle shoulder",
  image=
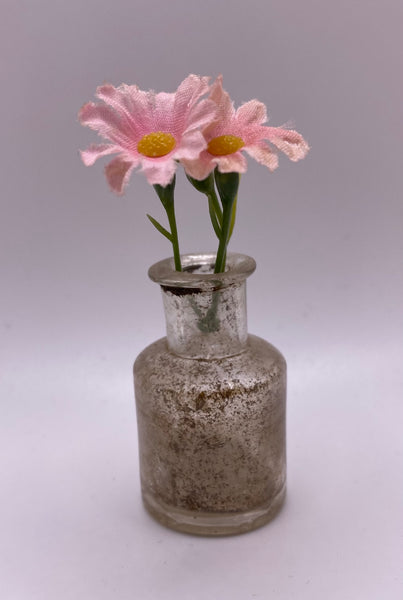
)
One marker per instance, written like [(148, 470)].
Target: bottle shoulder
[(260, 359)]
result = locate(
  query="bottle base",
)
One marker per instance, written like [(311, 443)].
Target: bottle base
[(213, 524)]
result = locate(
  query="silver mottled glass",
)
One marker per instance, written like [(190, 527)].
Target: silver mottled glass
[(210, 405)]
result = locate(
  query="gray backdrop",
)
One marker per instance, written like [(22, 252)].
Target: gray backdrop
[(76, 305)]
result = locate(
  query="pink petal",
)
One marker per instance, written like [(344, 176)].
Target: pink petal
[(231, 163), (224, 120), (95, 151), (251, 113), (159, 171), (140, 106), (192, 144), (288, 141), (221, 98), (188, 93), (263, 154), (201, 115), (117, 173), (104, 120), (114, 97), (200, 168), (162, 112), (121, 101)]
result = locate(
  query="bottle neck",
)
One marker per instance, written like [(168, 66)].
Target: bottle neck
[(206, 323)]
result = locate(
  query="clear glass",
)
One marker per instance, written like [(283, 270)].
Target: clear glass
[(211, 403)]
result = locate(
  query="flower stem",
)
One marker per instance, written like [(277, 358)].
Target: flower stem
[(170, 209), (212, 196), (225, 231), (166, 195), (227, 186), (206, 186)]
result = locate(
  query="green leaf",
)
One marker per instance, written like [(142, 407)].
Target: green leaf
[(160, 228)]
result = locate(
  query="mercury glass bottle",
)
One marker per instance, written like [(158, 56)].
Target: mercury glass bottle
[(210, 405)]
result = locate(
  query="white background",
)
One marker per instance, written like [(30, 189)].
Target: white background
[(76, 306)]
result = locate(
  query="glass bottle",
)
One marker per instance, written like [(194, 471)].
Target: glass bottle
[(210, 405)]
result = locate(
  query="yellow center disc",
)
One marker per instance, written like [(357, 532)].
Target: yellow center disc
[(225, 144), (156, 144)]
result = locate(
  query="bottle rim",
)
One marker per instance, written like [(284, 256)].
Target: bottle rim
[(198, 271)]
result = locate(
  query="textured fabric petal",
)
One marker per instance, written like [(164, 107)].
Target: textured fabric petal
[(192, 144), (121, 103), (114, 98), (264, 155), (162, 117), (95, 151), (118, 173), (288, 141), (251, 113), (159, 171), (225, 112), (140, 105), (200, 168), (104, 120), (232, 163), (134, 106), (187, 94), (202, 115), (222, 99)]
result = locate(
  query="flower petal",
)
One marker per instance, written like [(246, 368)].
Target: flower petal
[(104, 120), (263, 154), (288, 141), (251, 113), (159, 171), (188, 93), (121, 100), (225, 112), (140, 105), (201, 115), (192, 144), (231, 163), (117, 173), (95, 151), (222, 99), (199, 169)]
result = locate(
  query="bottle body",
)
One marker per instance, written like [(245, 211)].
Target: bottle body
[(212, 438)]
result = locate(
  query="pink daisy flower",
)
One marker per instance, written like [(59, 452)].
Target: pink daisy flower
[(235, 131), (148, 130)]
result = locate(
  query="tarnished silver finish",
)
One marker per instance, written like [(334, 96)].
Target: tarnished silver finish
[(210, 406)]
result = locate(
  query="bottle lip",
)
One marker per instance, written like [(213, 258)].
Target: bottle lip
[(198, 271)]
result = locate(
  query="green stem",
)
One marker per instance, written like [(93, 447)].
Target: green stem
[(225, 232), (166, 195), (227, 186), (174, 232), (233, 217), (206, 186), (215, 202)]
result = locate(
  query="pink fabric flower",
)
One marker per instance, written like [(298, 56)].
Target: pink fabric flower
[(146, 129), (234, 131)]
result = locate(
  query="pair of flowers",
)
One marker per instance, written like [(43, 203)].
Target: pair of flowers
[(156, 131)]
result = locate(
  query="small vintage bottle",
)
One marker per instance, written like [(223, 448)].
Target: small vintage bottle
[(211, 404)]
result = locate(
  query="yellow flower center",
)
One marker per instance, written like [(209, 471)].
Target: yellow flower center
[(225, 144), (156, 144)]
